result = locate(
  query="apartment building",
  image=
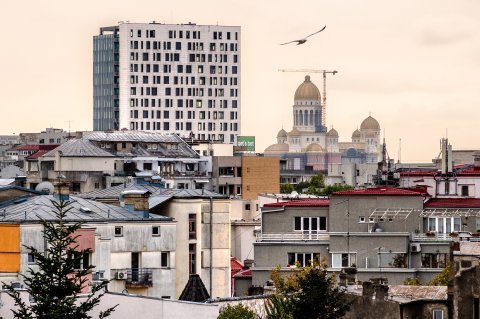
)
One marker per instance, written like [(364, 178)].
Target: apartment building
[(182, 78)]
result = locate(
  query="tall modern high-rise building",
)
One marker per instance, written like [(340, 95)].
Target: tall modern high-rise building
[(177, 78)]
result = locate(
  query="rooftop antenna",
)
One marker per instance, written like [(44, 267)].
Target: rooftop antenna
[(399, 150)]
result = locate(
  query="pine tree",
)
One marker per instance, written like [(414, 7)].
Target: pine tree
[(58, 283)]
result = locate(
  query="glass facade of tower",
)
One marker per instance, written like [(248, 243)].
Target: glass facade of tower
[(105, 80)]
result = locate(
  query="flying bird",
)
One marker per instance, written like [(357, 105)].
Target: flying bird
[(302, 41)]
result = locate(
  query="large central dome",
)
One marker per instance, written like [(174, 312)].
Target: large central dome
[(307, 91)]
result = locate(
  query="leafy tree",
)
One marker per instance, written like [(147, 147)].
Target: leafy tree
[(412, 282), (335, 188), (307, 293), (442, 278), (238, 311), (278, 307), (317, 181), (57, 283), (318, 296), (301, 186), (286, 188)]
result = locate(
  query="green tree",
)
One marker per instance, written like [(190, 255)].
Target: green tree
[(278, 307), (442, 278), (412, 281), (286, 188), (57, 283), (319, 296), (238, 311), (317, 181), (307, 293), (301, 186), (335, 188)]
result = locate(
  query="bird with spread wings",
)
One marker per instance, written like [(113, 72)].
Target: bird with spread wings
[(303, 40)]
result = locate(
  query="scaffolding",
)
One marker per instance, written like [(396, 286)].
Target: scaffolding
[(390, 214)]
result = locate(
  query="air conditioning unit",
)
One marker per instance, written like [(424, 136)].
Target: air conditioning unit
[(415, 248), (122, 275)]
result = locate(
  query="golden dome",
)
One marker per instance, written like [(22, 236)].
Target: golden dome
[(332, 133), (282, 133), (314, 148), (294, 132), (356, 134), (307, 91), (369, 124), (277, 148)]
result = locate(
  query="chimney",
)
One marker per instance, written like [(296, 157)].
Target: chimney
[(62, 191), (476, 159), (136, 201)]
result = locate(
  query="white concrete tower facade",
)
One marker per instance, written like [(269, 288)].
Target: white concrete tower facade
[(176, 78)]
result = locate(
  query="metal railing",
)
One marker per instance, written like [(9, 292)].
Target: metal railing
[(431, 237), (292, 237), (139, 277)]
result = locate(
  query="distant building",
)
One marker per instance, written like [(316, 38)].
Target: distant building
[(308, 149), (182, 78), (49, 136)]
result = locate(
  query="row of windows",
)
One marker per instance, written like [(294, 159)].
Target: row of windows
[(167, 68), (157, 79), (217, 92), (223, 104), (183, 126), (180, 114)]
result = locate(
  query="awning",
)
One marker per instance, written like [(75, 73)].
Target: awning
[(201, 181)]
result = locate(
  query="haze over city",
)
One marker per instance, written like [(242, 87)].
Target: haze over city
[(411, 64)]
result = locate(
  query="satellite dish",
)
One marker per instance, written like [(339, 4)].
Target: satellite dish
[(45, 187)]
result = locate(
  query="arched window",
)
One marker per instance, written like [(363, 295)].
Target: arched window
[(301, 118), (311, 117), (305, 120)]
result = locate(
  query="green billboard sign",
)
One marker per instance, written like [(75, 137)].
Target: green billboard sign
[(246, 143)]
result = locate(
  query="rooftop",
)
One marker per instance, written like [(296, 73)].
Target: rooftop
[(38, 208), (379, 191), (453, 203), (301, 203)]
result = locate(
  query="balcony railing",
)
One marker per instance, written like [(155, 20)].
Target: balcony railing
[(272, 237), (139, 278), (434, 237)]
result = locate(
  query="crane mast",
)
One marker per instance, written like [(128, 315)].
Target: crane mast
[(324, 95)]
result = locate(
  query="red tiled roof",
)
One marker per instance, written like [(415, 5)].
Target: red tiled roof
[(301, 203), (37, 154), (235, 266), (380, 191), (471, 171), (27, 147), (418, 173), (453, 203), (247, 273)]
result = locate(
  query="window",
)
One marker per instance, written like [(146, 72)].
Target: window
[(147, 166), (247, 206), (361, 219), (341, 260), (155, 230), (81, 260), (437, 314), (303, 259), (434, 260), (310, 224), (192, 226), (444, 225), (118, 231), (464, 190), (164, 259), (31, 259), (192, 262), (392, 260)]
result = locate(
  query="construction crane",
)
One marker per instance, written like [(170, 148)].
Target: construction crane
[(324, 96)]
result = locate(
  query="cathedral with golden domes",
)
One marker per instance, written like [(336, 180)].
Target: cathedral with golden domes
[(309, 147)]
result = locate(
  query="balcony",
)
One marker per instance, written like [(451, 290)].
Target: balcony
[(444, 237), (291, 237), (139, 278)]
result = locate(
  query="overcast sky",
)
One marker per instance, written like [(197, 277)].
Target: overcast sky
[(413, 65)]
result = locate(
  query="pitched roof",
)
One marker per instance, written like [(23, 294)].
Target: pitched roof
[(132, 136), (115, 192), (194, 290), (79, 147), (379, 191), (247, 273), (453, 203), (34, 209), (301, 203)]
